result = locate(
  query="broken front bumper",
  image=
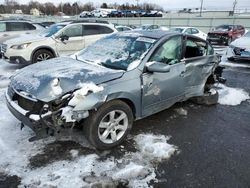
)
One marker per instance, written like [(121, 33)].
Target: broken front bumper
[(31, 120)]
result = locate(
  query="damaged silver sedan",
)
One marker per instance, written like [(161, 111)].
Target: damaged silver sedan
[(121, 78)]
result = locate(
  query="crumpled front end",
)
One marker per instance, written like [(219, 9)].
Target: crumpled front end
[(50, 118)]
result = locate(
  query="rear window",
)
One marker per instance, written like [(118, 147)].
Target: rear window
[(19, 26), (2, 27)]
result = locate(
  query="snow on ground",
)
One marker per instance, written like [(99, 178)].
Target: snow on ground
[(231, 96)]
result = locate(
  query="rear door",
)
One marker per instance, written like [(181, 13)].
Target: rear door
[(199, 58), (93, 32), (75, 41)]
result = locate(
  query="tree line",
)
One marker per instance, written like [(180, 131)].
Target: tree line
[(9, 6)]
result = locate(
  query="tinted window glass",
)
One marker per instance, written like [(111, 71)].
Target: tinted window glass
[(195, 48), (15, 26), (2, 27), (194, 31), (29, 26), (96, 29), (210, 50), (73, 31), (188, 31), (169, 52)]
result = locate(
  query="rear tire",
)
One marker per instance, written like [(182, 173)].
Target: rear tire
[(209, 98), (109, 125), (42, 55)]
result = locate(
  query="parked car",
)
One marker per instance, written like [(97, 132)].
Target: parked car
[(12, 28), (239, 49), (64, 38), (122, 28), (152, 27), (152, 13), (99, 13), (86, 14), (190, 30), (225, 34), (123, 77)]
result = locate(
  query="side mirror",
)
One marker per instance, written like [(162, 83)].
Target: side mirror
[(64, 37), (157, 67)]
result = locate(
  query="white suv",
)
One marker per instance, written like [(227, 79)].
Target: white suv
[(12, 28), (63, 38)]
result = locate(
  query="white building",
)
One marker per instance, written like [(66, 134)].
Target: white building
[(34, 12)]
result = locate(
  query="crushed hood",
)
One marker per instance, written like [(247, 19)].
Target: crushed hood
[(36, 79)]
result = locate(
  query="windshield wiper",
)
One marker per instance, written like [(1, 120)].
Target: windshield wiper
[(112, 66)]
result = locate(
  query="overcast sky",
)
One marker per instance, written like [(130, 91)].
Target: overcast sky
[(166, 4)]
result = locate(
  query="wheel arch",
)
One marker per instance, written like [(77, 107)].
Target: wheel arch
[(129, 100), (43, 48)]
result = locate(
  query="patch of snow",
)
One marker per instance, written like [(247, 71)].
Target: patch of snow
[(231, 96), (155, 147), (181, 111), (67, 113), (74, 153), (55, 87), (80, 94)]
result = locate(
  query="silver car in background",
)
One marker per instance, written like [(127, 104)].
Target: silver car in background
[(240, 48)]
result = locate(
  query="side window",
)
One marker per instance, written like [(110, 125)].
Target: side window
[(169, 52), (210, 50), (2, 26), (73, 31), (15, 26), (188, 31), (194, 31), (90, 30), (96, 29), (106, 30), (195, 48), (29, 26), (155, 27)]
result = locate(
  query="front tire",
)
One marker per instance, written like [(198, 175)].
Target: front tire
[(109, 125), (42, 55)]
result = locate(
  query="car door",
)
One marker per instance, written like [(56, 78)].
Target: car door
[(199, 58), (75, 40), (161, 90), (94, 32)]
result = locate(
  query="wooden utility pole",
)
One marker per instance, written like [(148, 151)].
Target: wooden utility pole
[(201, 7), (234, 5)]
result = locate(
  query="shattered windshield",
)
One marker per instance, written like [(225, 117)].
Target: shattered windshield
[(52, 30), (117, 51)]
